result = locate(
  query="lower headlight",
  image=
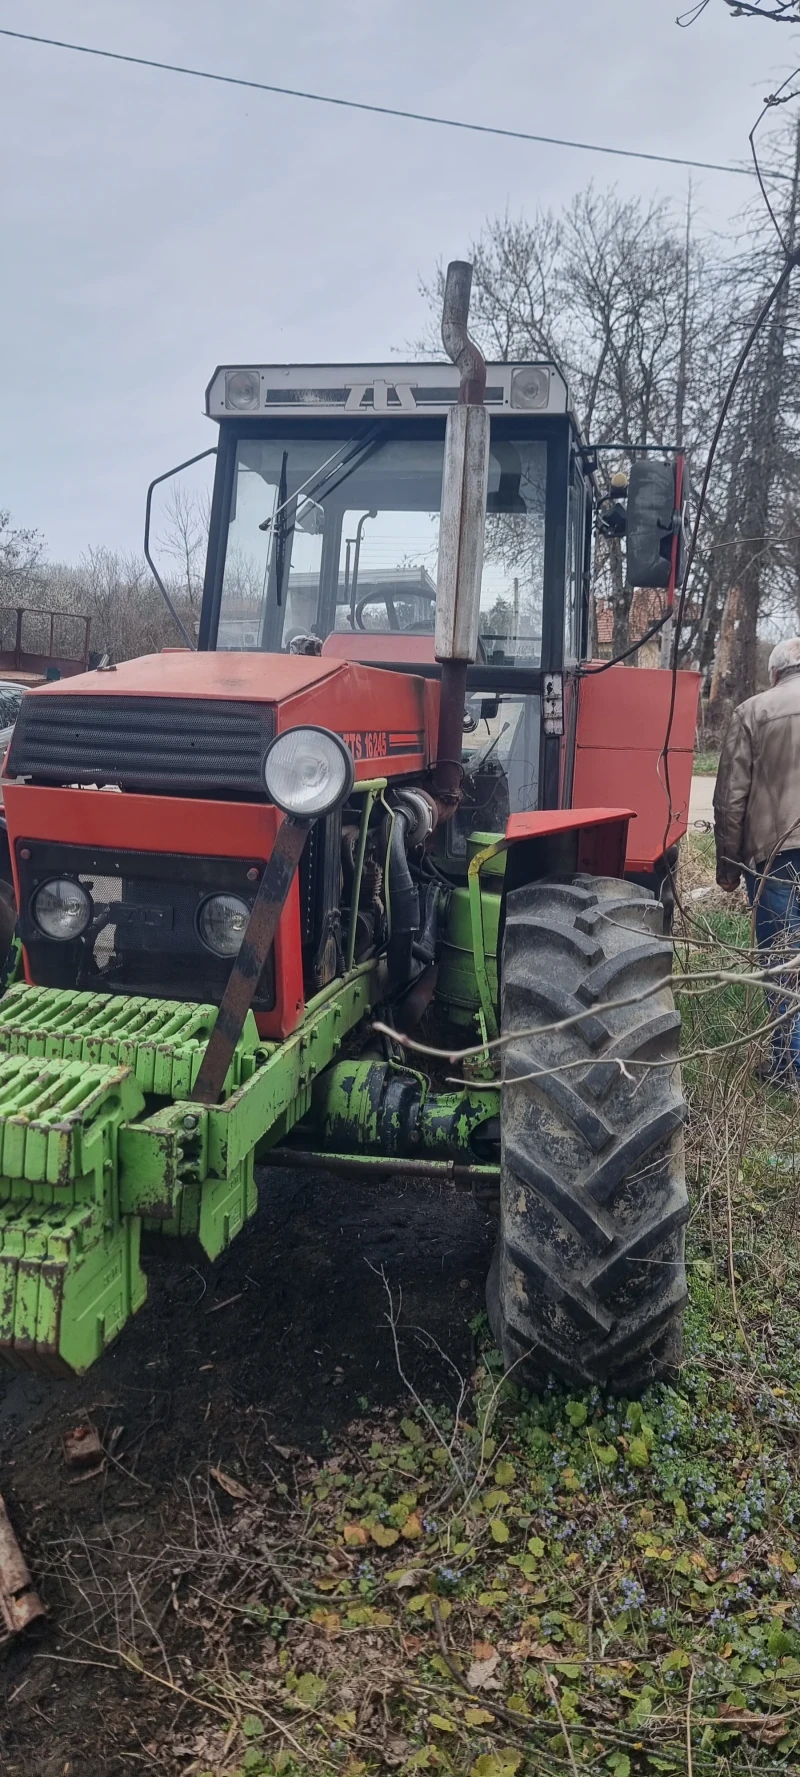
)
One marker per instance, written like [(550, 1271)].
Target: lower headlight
[(222, 923), (62, 908), (307, 771)]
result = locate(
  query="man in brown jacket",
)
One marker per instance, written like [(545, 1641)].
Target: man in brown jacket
[(757, 830)]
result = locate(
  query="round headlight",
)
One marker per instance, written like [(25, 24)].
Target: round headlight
[(222, 923), (62, 909), (307, 771), (530, 387), (242, 390)]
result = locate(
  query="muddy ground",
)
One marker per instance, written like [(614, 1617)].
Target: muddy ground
[(273, 1351)]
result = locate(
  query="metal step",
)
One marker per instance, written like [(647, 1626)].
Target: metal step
[(69, 1263), (162, 1041)]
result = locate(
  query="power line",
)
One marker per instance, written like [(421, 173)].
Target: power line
[(450, 123)]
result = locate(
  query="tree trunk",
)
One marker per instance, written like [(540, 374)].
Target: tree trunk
[(709, 631), (759, 471), (731, 649), (621, 600), (744, 597)]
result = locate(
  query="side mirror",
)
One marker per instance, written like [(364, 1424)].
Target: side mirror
[(651, 522)]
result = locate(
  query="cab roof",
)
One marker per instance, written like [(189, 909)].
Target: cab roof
[(254, 391)]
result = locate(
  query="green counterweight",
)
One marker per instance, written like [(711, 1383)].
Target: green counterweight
[(97, 1140), (100, 1139)]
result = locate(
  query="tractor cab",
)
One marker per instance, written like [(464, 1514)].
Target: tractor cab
[(325, 534)]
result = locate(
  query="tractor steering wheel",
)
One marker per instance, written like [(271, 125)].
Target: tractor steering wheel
[(388, 600)]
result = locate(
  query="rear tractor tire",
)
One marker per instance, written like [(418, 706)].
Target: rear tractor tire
[(588, 1280)]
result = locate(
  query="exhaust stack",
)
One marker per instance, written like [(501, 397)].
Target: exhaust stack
[(463, 517), (456, 341)]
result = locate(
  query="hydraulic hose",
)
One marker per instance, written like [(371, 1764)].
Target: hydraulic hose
[(404, 902), (425, 944)]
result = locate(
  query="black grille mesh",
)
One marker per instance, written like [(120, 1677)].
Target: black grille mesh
[(143, 938), (180, 744)]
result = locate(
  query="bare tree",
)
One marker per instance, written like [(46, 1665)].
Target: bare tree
[(781, 12), (615, 294), (117, 592), (753, 580), (184, 539), (21, 554)]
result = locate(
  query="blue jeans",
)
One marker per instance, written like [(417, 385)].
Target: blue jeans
[(777, 908)]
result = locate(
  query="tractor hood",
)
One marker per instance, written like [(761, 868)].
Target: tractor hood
[(199, 724), (262, 678)]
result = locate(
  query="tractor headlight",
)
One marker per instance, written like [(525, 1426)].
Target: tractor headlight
[(307, 771), (62, 908), (242, 390), (530, 387), (222, 923)]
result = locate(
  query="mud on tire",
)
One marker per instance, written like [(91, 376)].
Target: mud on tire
[(588, 1280)]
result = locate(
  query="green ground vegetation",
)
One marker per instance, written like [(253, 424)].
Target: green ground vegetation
[(558, 1582)]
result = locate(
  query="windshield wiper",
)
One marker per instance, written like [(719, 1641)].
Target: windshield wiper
[(357, 449), (280, 533)]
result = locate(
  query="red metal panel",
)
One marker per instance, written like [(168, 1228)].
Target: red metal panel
[(383, 648), (169, 824), (622, 724), (384, 717), (388, 719), (264, 678), (560, 820), (602, 834)]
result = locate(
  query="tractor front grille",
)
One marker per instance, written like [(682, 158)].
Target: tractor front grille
[(144, 937), (170, 745)]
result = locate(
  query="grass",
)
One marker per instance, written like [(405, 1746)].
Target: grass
[(705, 764), (536, 1583), (560, 1583)]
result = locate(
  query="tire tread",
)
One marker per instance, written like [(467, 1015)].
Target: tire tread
[(588, 1279)]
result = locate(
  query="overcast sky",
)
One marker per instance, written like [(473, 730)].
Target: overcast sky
[(155, 226)]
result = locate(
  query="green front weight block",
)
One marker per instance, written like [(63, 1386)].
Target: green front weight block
[(68, 1285), (69, 1265), (162, 1041), (97, 1141)]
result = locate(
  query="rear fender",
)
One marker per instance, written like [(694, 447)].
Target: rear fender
[(544, 842), (566, 840)]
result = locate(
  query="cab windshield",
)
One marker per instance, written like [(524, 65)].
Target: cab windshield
[(330, 534)]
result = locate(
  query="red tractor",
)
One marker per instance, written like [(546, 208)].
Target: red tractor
[(386, 789)]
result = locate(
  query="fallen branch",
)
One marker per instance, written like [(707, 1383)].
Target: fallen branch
[(19, 1604)]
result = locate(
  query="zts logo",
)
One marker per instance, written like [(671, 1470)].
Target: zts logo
[(369, 744), (360, 393)]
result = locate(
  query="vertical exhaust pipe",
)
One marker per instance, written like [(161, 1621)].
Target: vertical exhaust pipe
[(456, 341), (463, 518)]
